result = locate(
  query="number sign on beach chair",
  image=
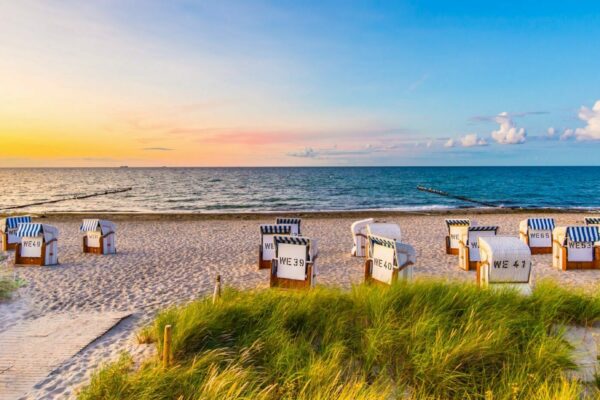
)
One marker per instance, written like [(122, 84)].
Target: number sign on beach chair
[(294, 263), (294, 223), (456, 228), (359, 237), (381, 229), (576, 247), (38, 245), (389, 262), (468, 251), (592, 221), (505, 262), (99, 236), (537, 234), (266, 250), (8, 231)]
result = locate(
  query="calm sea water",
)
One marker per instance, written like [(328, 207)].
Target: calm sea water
[(273, 189)]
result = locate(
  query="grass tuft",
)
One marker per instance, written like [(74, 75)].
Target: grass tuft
[(427, 340)]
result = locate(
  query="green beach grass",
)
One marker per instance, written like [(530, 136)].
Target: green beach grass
[(426, 340)]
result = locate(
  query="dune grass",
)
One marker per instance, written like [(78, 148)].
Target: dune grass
[(7, 287), (426, 340)]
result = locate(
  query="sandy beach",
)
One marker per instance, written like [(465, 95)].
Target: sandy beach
[(166, 260)]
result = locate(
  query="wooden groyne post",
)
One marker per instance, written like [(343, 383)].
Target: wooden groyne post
[(167, 346), (463, 198), (217, 292)]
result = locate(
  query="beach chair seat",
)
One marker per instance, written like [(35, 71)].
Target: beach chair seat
[(293, 266), (390, 261), (8, 231), (576, 247), (266, 249), (456, 229), (383, 229), (99, 236), (537, 234), (38, 245), (468, 251), (359, 237), (505, 263), (294, 223)]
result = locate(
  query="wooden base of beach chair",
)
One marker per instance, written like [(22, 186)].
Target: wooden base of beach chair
[(37, 261), (571, 265), (465, 263), (5, 245), (263, 264), (276, 282), (92, 250), (541, 250), (450, 250), (369, 275)]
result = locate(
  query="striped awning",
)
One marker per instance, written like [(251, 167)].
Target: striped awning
[(275, 229), (89, 225), (592, 220), (583, 233), (458, 222), (29, 230), (482, 228), (382, 242), (290, 221), (13, 222), (542, 224), (300, 241)]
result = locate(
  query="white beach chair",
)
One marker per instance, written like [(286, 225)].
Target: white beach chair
[(576, 247), (592, 221), (38, 246), (390, 261), (293, 222), (456, 229), (294, 264), (385, 230), (99, 236), (8, 231), (359, 236), (537, 234), (266, 250), (505, 263), (468, 251)]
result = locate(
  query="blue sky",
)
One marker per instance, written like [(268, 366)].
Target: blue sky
[(301, 83)]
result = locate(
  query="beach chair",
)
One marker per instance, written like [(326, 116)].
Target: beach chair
[(468, 250), (8, 231), (389, 262), (456, 228), (505, 263), (537, 234), (99, 236), (293, 222), (359, 237), (592, 221), (38, 245), (294, 264), (385, 230), (576, 247), (266, 250)]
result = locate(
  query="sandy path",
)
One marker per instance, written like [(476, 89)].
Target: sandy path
[(166, 261)]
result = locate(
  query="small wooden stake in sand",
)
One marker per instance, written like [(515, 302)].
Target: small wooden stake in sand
[(217, 293), (167, 346)]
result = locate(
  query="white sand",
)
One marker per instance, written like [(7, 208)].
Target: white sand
[(164, 261)]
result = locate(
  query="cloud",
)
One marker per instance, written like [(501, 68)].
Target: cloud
[(592, 118), (157, 149), (450, 143), (472, 140), (551, 133), (567, 134), (492, 118), (331, 152), (415, 85), (507, 132)]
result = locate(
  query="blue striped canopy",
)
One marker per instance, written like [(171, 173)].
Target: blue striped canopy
[(280, 229), (542, 224), (89, 225), (458, 222), (482, 228), (592, 220), (13, 222), (29, 230), (583, 233)]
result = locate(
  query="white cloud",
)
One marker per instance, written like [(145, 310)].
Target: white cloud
[(592, 117), (567, 134), (551, 132), (507, 132), (450, 143), (472, 140)]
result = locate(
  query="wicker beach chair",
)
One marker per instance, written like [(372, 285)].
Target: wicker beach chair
[(576, 247), (8, 231), (294, 223), (537, 234), (505, 263), (38, 245), (390, 261), (468, 251), (456, 228), (266, 250), (384, 230), (359, 237), (294, 264), (99, 236)]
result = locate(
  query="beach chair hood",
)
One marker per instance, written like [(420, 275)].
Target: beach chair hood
[(541, 224), (10, 224), (592, 220), (49, 232), (457, 222), (583, 233), (512, 255), (90, 225), (385, 230), (404, 253)]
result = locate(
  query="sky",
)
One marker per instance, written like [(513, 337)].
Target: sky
[(299, 83)]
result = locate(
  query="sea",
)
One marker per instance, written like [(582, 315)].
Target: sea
[(239, 190)]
